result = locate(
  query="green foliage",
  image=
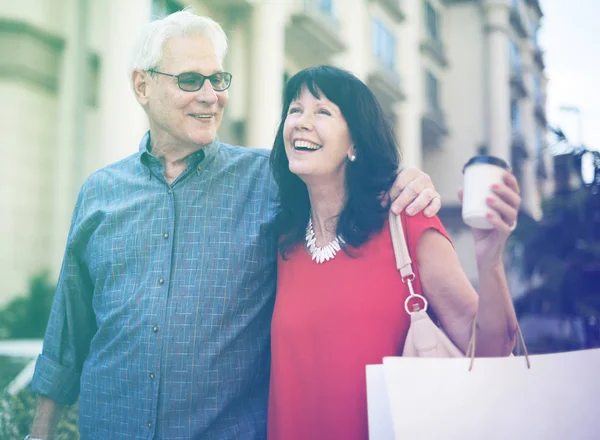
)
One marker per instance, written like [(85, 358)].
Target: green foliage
[(17, 412), (568, 233), (562, 254), (9, 368), (563, 250), (26, 317)]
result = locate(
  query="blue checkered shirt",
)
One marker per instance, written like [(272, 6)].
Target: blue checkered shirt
[(162, 313)]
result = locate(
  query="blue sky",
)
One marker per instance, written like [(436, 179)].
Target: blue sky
[(570, 39)]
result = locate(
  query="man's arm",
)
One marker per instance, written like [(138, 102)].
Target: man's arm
[(71, 326), (47, 416), (414, 191)]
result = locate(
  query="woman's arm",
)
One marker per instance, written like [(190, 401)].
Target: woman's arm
[(455, 302), (449, 291)]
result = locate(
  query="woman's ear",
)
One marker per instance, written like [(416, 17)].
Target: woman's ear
[(352, 154), (141, 86)]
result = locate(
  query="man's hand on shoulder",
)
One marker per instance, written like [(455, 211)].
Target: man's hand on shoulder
[(413, 191)]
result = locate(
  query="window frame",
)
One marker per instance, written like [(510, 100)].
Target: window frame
[(384, 44), (432, 21), (432, 91)]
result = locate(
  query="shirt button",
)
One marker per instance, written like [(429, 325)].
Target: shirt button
[(161, 281), (152, 376), (166, 235), (155, 329), (149, 424), (170, 191)]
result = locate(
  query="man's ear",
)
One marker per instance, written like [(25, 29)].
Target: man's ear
[(141, 86)]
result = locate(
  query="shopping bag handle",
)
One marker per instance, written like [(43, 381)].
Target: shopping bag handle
[(522, 341), (519, 342)]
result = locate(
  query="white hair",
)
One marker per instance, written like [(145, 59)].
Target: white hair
[(148, 48)]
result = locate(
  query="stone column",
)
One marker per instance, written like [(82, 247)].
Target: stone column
[(72, 129), (498, 78), (266, 73), (529, 193), (122, 120), (410, 111), (356, 29), (238, 62)]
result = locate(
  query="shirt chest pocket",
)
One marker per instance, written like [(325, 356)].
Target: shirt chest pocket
[(114, 264)]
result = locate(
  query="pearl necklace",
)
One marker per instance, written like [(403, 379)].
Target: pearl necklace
[(325, 253)]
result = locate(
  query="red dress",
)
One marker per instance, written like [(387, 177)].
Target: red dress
[(330, 321)]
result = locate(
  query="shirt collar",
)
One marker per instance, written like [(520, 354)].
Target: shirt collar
[(194, 159)]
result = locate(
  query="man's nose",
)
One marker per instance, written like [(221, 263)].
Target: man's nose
[(207, 93)]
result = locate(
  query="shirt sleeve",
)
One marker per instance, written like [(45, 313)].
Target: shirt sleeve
[(71, 324), (416, 225)]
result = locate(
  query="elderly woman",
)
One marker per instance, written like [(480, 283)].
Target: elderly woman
[(339, 303)]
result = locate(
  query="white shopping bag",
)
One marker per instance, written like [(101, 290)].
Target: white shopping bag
[(378, 405), (499, 399)]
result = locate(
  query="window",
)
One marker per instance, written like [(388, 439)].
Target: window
[(539, 142), (515, 59), (537, 91), (325, 6), (432, 91), (286, 77), (384, 45), (515, 117), (534, 30), (432, 22), (162, 8)]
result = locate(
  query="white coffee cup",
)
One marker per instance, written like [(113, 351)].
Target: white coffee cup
[(480, 173)]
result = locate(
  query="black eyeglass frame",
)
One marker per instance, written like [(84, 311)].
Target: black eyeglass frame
[(228, 77)]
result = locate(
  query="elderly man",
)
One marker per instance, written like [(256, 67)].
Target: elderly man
[(162, 313)]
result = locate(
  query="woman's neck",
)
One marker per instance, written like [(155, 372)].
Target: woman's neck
[(326, 204)]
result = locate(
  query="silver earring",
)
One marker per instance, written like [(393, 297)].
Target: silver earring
[(352, 158)]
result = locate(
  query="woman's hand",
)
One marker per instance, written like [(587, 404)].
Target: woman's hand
[(505, 204)]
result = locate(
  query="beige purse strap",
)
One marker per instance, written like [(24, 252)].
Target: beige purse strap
[(403, 261)]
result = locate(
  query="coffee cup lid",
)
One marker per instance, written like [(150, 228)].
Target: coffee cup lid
[(491, 160)]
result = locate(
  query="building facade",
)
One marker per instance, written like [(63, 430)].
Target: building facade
[(456, 78), (484, 92)]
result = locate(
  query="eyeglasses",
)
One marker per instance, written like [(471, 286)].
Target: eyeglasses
[(192, 81)]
